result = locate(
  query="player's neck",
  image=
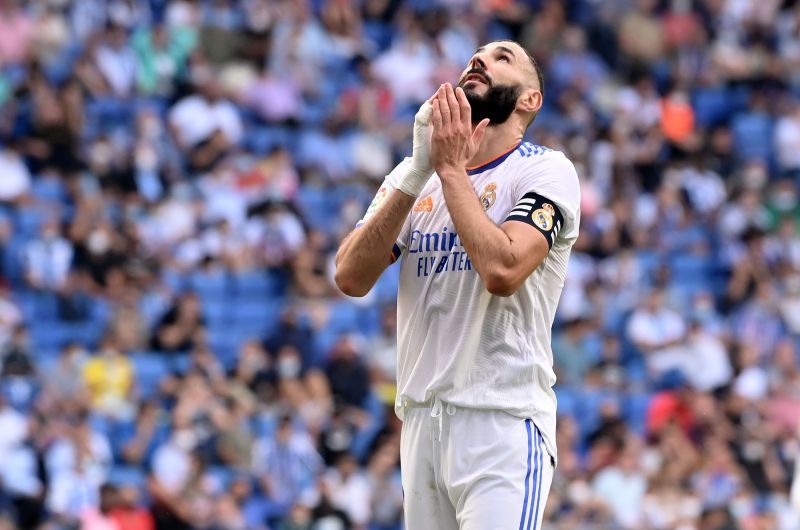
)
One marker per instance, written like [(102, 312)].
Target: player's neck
[(496, 142)]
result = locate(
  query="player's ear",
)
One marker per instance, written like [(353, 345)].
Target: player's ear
[(530, 101)]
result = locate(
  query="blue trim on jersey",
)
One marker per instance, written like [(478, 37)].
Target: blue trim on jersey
[(396, 252), (493, 163), (527, 476), (528, 149), (537, 496)]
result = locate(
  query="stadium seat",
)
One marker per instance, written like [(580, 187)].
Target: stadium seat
[(150, 368), (567, 401), (253, 284), (318, 207), (127, 476), (209, 285), (712, 105), (634, 410), (752, 136)]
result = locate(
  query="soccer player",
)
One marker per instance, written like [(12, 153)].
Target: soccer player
[(484, 223)]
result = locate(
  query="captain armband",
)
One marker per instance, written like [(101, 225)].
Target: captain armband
[(539, 212)]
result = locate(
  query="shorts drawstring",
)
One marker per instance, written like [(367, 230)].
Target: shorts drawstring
[(436, 414)]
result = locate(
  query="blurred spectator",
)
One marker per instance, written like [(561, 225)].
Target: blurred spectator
[(13, 429), (311, 277), (100, 518), (142, 435), (275, 99), (381, 356), (180, 327), (570, 353), (787, 141), (161, 53), (176, 175), (80, 453), (386, 491), (65, 381), (412, 54), (10, 316), (286, 465), (47, 259), (205, 125), (575, 66), (657, 331), (16, 33), (16, 181), (126, 512), (108, 377), (294, 332), (17, 360), (350, 490), (347, 372), (622, 486), (22, 477), (707, 364), (52, 143), (116, 61)]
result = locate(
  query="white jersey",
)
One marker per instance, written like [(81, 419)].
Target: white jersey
[(457, 341)]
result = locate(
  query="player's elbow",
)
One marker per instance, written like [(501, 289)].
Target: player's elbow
[(500, 283), (349, 284)]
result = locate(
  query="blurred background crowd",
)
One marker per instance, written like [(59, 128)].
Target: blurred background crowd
[(175, 176)]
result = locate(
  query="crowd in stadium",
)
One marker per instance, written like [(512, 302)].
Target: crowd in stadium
[(176, 175)]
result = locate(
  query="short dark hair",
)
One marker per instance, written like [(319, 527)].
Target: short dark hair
[(536, 68), (534, 64)]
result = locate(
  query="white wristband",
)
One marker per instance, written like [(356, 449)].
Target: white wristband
[(414, 172)]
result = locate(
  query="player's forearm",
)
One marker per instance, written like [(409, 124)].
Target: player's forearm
[(489, 248), (366, 252)]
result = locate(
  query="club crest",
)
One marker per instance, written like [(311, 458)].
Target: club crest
[(542, 218), (489, 195)]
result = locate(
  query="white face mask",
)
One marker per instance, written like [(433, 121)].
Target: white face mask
[(741, 507), (784, 200), (98, 242), (184, 439), (289, 367)]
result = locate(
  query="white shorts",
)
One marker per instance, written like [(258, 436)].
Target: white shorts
[(471, 469)]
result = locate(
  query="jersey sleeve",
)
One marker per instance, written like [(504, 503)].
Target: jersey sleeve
[(546, 196), (380, 197)]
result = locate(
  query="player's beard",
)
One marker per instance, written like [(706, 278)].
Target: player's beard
[(497, 103)]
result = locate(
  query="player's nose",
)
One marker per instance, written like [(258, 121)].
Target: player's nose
[(478, 61)]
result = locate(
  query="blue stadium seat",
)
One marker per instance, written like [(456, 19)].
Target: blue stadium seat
[(221, 476), (127, 476), (209, 285), (343, 316), (752, 136), (386, 287), (712, 105), (216, 313), (48, 189), (253, 284), (174, 280), (318, 207), (634, 410), (150, 368), (567, 401), (263, 139), (28, 220)]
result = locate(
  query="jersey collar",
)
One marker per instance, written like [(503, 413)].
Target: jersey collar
[(474, 170)]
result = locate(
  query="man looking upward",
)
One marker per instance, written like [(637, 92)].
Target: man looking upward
[(484, 223)]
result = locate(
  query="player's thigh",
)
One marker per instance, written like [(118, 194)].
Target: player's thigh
[(425, 505), (508, 490)]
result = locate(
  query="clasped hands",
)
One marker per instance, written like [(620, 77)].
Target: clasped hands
[(453, 140)]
